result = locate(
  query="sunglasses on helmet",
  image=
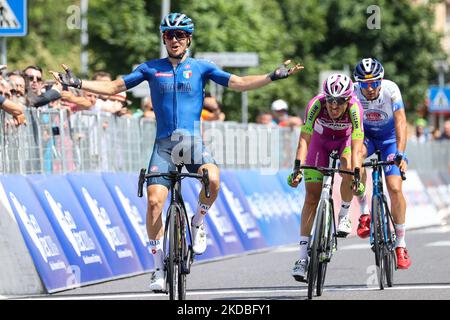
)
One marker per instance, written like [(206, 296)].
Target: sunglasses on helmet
[(337, 100), (178, 34), (372, 84)]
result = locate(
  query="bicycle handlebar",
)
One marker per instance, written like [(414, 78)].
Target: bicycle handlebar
[(173, 175), (374, 163), (328, 170)]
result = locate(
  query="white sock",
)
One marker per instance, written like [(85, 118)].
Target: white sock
[(157, 251), (344, 209), (363, 204), (304, 241), (400, 231), (202, 210)]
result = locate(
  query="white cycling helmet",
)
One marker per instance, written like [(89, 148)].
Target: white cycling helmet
[(338, 85)]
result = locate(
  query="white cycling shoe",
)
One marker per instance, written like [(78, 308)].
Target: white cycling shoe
[(344, 227), (157, 281), (199, 239), (300, 269)]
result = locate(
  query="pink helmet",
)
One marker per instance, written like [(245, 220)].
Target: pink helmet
[(338, 85)]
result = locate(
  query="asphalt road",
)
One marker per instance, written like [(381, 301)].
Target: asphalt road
[(266, 275)]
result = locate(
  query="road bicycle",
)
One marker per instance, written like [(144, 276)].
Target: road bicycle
[(177, 247), (323, 237), (382, 227)]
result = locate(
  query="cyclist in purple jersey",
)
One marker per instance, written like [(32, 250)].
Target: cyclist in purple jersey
[(333, 121), (177, 90)]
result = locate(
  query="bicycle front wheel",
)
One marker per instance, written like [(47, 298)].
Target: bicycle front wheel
[(313, 268), (173, 270), (378, 239), (326, 248)]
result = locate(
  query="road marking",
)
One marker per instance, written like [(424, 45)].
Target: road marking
[(240, 292), (438, 244), (364, 246), (441, 229)]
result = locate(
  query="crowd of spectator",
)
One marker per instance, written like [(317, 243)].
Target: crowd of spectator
[(279, 116), (422, 132)]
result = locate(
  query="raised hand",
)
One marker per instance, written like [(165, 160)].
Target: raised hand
[(67, 78)]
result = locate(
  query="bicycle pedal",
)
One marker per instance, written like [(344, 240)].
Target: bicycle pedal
[(341, 234), (300, 279)]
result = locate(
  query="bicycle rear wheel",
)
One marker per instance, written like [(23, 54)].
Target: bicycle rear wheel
[(378, 240), (313, 268), (390, 257)]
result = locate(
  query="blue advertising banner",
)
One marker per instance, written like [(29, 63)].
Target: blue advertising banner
[(190, 202), (133, 211), (220, 223), (239, 211), (267, 215), (107, 223), (74, 232), (42, 242), (295, 196)]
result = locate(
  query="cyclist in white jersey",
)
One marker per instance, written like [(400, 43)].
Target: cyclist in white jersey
[(385, 130)]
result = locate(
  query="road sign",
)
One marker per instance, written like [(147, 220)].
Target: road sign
[(439, 99), (231, 59), (13, 18)]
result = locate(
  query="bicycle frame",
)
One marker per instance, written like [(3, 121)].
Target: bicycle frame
[(377, 182)]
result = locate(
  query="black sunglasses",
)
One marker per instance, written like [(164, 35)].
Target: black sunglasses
[(31, 78), (337, 100), (178, 34)]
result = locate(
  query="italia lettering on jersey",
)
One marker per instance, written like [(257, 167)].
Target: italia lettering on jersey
[(177, 93), (379, 122)]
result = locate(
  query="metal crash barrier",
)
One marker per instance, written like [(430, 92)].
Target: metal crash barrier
[(54, 141)]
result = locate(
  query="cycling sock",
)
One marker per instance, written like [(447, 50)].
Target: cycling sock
[(363, 204), (400, 231), (344, 209), (202, 210), (304, 247), (157, 251)]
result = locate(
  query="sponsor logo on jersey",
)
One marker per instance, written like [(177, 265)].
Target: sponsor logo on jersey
[(187, 74), (334, 125), (378, 116), (163, 75), (188, 66), (154, 169)]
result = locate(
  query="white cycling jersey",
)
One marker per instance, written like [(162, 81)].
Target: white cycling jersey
[(378, 118)]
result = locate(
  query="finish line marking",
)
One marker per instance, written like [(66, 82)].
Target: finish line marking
[(237, 291)]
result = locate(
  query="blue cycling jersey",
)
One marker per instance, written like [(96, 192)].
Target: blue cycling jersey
[(177, 94)]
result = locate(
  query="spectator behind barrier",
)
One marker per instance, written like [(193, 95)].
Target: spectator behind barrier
[(266, 118), (146, 109), (14, 109), (36, 92), (211, 110), (282, 117), (446, 134), (421, 135)]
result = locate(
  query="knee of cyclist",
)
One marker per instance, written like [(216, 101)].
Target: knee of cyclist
[(154, 204), (214, 185), (312, 200)]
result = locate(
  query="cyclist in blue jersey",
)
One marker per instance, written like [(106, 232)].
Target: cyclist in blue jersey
[(177, 91), (385, 130)]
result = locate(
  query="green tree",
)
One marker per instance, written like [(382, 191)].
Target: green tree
[(50, 30)]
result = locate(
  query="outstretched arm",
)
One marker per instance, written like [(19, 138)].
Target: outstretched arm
[(100, 87), (254, 82)]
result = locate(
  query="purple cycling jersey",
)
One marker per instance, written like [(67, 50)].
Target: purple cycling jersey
[(328, 134), (317, 120)]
